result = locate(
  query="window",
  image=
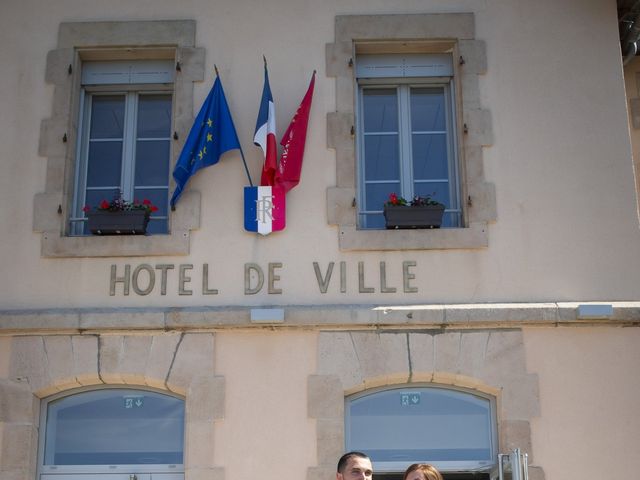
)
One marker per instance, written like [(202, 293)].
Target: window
[(125, 137), (452, 429), (406, 133), (144, 66), (110, 431), (354, 203)]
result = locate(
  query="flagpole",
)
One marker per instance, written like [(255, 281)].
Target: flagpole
[(244, 162)]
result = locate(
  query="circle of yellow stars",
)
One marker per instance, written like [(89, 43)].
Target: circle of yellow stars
[(201, 154)]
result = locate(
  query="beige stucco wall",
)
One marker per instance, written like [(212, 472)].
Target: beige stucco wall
[(588, 425), (266, 427), (560, 160)]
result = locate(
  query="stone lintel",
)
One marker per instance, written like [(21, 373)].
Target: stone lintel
[(153, 32), (443, 25)]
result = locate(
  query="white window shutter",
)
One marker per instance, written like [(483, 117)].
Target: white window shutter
[(127, 72), (404, 66)]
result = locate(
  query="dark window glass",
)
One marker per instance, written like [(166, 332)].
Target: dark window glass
[(382, 159), (105, 164), (427, 109), (107, 116), (380, 110), (115, 427), (430, 156), (152, 162), (154, 116)]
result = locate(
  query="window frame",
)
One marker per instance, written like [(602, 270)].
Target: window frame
[(132, 94), (452, 33), (43, 470), (403, 86), (465, 467)]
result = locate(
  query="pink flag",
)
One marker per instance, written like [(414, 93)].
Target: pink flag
[(288, 173)]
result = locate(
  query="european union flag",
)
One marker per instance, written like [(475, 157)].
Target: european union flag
[(212, 135)]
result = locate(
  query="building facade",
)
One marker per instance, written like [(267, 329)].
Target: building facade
[(203, 351)]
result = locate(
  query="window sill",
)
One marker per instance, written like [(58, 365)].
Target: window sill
[(56, 246), (475, 236)]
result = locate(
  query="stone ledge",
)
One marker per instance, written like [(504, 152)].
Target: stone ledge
[(56, 246), (432, 317), (475, 236)]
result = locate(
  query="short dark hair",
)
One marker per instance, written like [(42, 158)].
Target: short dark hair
[(342, 463)]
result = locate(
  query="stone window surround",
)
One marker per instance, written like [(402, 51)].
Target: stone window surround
[(414, 33), (79, 41), (491, 362), (42, 366)]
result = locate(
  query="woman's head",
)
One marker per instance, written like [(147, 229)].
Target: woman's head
[(422, 471)]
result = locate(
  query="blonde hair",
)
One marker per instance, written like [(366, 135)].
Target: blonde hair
[(429, 471)]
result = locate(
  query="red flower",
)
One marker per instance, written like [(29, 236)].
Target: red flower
[(146, 201), (104, 205), (86, 208), (154, 208), (393, 198)]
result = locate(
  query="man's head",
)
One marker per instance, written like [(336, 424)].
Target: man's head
[(354, 466)]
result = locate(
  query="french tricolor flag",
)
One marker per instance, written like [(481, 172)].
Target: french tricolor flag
[(264, 209), (265, 134)]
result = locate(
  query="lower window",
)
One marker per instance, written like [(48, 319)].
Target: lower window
[(454, 430), (111, 432)]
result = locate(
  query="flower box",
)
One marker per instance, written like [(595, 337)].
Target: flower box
[(416, 216), (127, 222)]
